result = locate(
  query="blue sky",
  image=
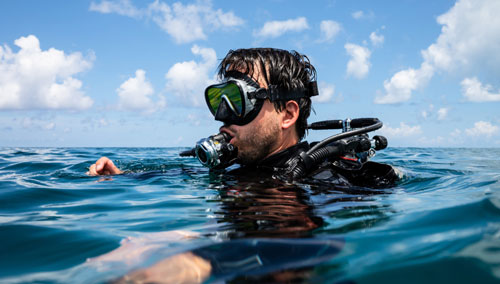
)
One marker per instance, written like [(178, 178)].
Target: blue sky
[(132, 73)]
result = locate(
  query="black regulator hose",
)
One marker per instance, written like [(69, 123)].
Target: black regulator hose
[(188, 153), (310, 160), (339, 123), (377, 125), (323, 150)]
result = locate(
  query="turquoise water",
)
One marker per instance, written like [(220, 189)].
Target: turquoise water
[(57, 225)]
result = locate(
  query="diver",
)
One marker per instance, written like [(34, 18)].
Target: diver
[(264, 101)]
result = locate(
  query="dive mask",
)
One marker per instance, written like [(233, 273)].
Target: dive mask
[(238, 99)]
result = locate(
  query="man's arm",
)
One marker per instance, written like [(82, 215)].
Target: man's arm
[(181, 268), (104, 166)]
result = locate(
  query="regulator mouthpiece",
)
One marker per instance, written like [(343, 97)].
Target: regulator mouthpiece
[(215, 152)]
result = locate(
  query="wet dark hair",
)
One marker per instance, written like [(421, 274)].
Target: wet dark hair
[(288, 70)]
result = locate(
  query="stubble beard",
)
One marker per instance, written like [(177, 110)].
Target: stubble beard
[(257, 143)]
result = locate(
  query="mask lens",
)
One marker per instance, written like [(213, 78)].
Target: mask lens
[(230, 91)]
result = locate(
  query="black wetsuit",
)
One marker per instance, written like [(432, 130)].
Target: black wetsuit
[(338, 172)]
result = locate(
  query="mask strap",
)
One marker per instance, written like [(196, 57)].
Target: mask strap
[(312, 89), (275, 94)]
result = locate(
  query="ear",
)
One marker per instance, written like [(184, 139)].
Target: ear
[(290, 114)]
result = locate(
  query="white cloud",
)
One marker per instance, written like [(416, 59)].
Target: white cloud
[(185, 23), (482, 128), (470, 38), (277, 28), (474, 91), (136, 92), (376, 39), (41, 79), (430, 112), (187, 80), (326, 92), (399, 88), (403, 130), (470, 33), (442, 113), (359, 15), (120, 7), (359, 65), (329, 30)]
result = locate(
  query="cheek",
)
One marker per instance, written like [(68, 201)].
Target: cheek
[(244, 134)]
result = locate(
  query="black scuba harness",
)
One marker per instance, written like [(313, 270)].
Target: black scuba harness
[(350, 147)]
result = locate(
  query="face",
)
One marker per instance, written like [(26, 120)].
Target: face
[(257, 139), (261, 137)]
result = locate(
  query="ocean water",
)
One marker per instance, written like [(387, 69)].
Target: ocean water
[(441, 223)]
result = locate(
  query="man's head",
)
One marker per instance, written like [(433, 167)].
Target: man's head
[(286, 80)]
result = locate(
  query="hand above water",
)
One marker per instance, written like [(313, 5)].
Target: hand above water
[(103, 166)]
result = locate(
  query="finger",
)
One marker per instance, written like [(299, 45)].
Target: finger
[(101, 163), (113, 170), (110, 164), (99, 166), (92, 171), (109, 167)]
